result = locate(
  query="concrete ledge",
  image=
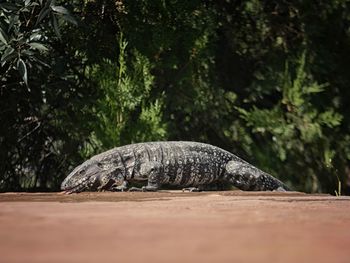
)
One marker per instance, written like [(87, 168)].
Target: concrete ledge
[(171, 226)]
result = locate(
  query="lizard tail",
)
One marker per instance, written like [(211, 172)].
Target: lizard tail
[(249, 178)]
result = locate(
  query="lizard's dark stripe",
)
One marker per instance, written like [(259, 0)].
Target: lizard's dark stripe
[(170, 161), (171, 170), (180, 161), (173, 164), (161, 153), (187, 169), (123, 163), (148, 151), (133, 167)]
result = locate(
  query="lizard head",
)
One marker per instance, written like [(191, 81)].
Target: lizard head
[(93, 175)]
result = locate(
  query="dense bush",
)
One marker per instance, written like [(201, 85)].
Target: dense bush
[(267, 81)]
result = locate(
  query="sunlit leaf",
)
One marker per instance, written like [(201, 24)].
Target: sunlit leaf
[(60, 9), (22, 69), (38, 46), (3, 37), (35, 36)]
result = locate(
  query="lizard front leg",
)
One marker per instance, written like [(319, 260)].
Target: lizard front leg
[(119, 187), (152, 171)]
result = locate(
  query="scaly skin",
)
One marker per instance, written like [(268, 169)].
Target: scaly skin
[(184, 164)]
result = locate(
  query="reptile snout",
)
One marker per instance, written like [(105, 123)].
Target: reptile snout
[(64, 184)]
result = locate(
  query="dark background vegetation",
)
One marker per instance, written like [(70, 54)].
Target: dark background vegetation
[(267, 80)]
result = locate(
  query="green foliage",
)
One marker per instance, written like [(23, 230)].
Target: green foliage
[(298, 131), (24, 36), (84, 76), (42, 117), (126, 112)]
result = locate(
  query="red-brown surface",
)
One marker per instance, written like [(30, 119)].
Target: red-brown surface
[(174, 227)]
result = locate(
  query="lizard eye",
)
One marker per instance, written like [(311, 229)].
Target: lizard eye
[(100, 165)]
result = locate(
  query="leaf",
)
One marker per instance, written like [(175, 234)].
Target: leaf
[(7, 58), (230, 96), (330, 118), (28, 53), (60, 9), (13, 19), (7, 53), (49, 3), (3, 37), (55, 26), (43, 12), (40, 62), (31, 4), (316, 88), (38, 46), (35, 36), (22, 69), (8, 6), (70, 19)]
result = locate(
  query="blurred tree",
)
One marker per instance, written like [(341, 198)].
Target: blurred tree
[(44, 98), (126, 113), (266, 80)]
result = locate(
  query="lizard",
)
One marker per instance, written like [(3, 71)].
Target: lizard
[(191, 165)]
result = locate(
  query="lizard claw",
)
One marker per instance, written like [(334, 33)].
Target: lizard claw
[(191, 189), (135, 189)]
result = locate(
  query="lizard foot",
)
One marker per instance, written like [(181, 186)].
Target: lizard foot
[(119, 188), (143, 189), (280, 189), (135, 189), (191, 189)]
